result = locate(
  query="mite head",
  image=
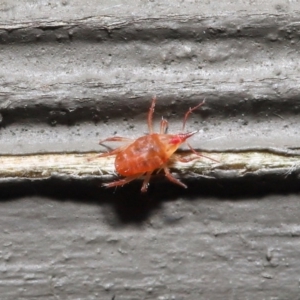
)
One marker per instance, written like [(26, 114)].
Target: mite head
[(173, 141)]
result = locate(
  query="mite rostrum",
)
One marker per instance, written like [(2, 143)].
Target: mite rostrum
[(146, 154)]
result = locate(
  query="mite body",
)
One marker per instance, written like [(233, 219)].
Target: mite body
[(141, 157)]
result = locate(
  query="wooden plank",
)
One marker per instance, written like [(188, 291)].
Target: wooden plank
[(73, 74)]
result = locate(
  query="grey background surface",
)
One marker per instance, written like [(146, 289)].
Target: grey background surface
[(72, 74)]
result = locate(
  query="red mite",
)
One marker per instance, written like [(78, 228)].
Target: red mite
[(141, 157)]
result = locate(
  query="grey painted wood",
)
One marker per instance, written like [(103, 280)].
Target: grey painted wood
[(201, 248), (71, 74)]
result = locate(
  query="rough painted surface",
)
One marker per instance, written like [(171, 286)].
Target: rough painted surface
[(72, 74), (70, 77), (204, 247)]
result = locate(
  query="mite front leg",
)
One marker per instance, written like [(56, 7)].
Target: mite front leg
[(150, 115), (184, 159), (198, 154), (189, 112), (163, 126)]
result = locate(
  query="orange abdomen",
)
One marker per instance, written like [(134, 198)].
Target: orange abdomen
[(145, 154)]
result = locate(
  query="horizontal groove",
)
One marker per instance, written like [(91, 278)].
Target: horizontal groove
[(206, 46), (238, 174), (98, 29), (274, 98)]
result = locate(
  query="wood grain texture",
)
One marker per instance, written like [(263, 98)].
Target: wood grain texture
[(73, 74)]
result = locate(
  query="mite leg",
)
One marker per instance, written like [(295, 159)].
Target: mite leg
[(184, 159), (110, 152), (116, 139), (198, 154), (150, 115), (106, 153), (146, 182), (115, 151), (112, 139), (163, 126), (122, 181), (189, 112), (173, 179)]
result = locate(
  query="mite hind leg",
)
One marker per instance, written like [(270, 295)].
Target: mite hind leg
[(109, 153), (116, 139), (122, 181), (115, 151), (173, 179)]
